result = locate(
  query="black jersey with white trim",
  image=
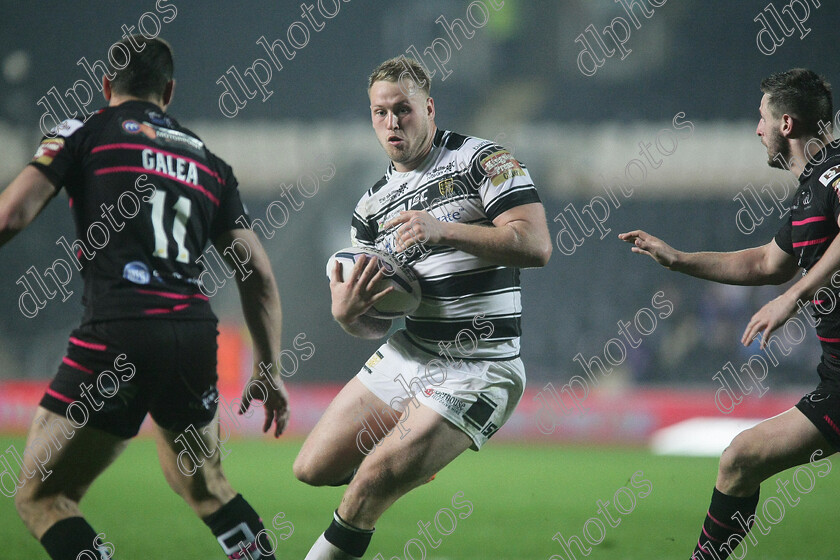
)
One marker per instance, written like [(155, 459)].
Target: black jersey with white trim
[(470, 181), (146, 196), (807, 233)]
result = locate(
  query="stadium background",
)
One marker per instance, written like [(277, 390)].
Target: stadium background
[(515, 80)]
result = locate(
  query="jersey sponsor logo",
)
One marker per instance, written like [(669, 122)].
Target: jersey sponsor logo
[(66, 128), (179, 168), (829, 174), (482, 144), (380, 224), (47, 151), (157, 118), (131, 126), (136, 272), (420, 200), (501, 166), (396, 192), (441, 170), (448, 215), (170, 137)]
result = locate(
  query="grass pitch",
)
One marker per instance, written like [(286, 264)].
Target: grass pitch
[(520, 496)]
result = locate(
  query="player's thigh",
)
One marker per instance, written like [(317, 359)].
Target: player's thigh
[(776, 444), (62, 460), (400, 464), (425, 443), (336, 443)]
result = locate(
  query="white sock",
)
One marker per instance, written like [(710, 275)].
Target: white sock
[(325, 550)]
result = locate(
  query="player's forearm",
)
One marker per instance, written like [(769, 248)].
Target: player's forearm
[(22, 200), (742, 268), (366, 327), (513, 244), (263, 315)]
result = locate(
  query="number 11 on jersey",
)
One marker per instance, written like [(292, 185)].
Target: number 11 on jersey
[(179, 226)]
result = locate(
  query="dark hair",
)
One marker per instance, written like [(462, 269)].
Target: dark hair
[(801, 94), (146, 72), (395, 69)]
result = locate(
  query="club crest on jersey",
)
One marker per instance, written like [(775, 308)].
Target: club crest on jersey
[(373, 360), (446, 187), (131, 126)]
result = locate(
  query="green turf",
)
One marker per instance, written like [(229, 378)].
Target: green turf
[(521, 496)]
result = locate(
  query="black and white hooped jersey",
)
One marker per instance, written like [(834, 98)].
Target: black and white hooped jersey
[(468, 301), (146, 197), (807, 233)]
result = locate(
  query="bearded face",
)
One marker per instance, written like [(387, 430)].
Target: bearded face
[(778, 149)]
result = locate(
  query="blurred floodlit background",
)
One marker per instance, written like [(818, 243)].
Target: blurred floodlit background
[(687, 92)]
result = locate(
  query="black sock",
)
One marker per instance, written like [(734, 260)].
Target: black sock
[(69, 538), (240, 531), (722, 532), (350, 539)]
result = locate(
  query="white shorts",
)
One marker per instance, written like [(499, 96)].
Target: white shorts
[(477, 397)]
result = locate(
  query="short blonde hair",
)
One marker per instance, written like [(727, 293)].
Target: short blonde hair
[(400, 68)]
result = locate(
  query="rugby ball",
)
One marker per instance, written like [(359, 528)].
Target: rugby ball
[(405, 297)]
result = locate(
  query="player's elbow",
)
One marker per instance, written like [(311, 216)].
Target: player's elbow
[(11, 222), (540, 254), (779, 277), (546, 249), (774, 274)]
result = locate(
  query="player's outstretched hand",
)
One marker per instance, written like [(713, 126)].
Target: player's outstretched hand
[(274, 397), (655, 248), (768, 319), (354, 297)]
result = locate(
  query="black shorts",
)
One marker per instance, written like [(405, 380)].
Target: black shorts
[(822, 405), (115, 372)]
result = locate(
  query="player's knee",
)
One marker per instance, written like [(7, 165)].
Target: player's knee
[(25, 506), (740, 459), (303, 473), (308, 472)]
